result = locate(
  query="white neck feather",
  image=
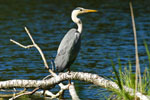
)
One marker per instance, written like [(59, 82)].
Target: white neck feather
[(76, 20)]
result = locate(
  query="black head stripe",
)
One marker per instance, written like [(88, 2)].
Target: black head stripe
[(78, 8)]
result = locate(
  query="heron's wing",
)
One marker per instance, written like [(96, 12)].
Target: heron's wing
[(68, 49), (66, 42)]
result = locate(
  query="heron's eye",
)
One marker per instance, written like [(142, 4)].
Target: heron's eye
[(80, 9)]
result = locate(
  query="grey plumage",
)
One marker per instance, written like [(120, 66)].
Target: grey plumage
[(66, 54)]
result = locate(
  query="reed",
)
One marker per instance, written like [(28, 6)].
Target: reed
[(138, 72)]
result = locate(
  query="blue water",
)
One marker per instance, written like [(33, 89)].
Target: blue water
[(107, 35)]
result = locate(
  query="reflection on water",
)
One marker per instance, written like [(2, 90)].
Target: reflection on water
[(106, 35)]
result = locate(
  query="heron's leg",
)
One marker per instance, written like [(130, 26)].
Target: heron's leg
[(69, 74)]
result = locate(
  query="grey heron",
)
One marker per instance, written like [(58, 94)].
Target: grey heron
[(70, 44)]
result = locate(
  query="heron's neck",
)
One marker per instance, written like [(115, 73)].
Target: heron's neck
[(79, 24), (76, 20)]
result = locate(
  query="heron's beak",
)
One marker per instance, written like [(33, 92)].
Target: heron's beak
[(90, 10)]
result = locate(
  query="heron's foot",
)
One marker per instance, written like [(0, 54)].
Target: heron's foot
[(69, 73)]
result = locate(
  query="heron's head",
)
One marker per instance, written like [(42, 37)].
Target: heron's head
[(80, 10)]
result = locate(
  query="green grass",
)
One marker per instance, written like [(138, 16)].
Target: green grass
[(126, 77), (121, 79)]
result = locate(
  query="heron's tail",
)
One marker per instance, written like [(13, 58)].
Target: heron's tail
[(53, 68)]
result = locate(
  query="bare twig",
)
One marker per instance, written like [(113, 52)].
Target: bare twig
[(37, 47), (26, 93), (47, 93), (65, 87), (28, 46), (29, 35), (73, 92), (138, 73), (11, 95)]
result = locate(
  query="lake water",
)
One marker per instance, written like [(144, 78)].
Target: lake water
[(107, 35)]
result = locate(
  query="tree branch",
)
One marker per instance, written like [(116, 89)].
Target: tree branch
[(37, 47), (25, 93), (73, 92), (87, 77)]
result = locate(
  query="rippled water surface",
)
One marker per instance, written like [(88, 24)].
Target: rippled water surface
[(107, 35)]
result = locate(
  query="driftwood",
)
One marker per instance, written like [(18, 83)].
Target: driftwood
[(87, 77)]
